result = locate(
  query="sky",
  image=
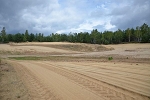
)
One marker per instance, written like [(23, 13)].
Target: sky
[(65, 16)]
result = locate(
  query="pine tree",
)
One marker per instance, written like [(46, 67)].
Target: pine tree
[(26, 36), (3, 35)]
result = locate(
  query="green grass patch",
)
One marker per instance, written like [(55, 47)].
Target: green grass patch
[(59, 58), (26, 58), (53, 58), (110, 58)]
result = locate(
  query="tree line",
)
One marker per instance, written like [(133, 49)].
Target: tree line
[(140, 34)]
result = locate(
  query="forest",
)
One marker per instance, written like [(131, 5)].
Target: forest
[(141, 34)]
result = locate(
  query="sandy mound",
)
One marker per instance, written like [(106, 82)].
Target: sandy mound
[(80, 47)]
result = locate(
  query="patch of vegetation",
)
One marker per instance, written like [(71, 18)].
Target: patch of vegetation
[(58, 58), (10, 52), (26, 58), (9, 81), (54, 58), (0, 61), (110, 58)]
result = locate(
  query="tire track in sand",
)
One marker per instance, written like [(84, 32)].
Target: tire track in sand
[(37, 90), (92, 84), (61, 86)]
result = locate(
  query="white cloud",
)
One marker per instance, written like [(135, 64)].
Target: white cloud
[(109, 26), (48, 20), (90, 25), (47, 16)]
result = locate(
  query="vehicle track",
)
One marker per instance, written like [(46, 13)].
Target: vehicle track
[(135, 82), (100, 88), (37, 90), (40, 91)]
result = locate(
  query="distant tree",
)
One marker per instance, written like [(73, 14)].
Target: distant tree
[(74, 37), (3, 35), (145, 33), (31, 37), (63, 37), (36, 37), (71, 37), (48, 38), (148, 35), (132, 36), (118, 36), (26, 36), (108, 36), (103, 39), (94, 36), (18, 37), (57, 37), (10, 37), (40, 37), (80, 37), (129, 34), (138, 34), (86, 37)]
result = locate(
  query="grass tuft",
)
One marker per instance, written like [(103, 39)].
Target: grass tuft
[(110, 58)]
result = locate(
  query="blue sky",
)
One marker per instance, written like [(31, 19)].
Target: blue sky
[(65, 16)]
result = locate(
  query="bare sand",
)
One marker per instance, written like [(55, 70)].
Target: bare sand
[(127, 50), (87, 79)]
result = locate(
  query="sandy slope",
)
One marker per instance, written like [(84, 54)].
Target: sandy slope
[(23, 48), (135, 50), (84, 80), (52, 48), (128, 50)]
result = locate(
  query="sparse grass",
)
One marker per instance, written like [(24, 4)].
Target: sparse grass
[(26, 58), (0, 60), (110, 58), (0, 66), (10, 52), (37, 58), (9, 80), (53, 58), (59, 58)]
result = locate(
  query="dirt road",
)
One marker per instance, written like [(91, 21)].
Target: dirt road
[(48, 80)]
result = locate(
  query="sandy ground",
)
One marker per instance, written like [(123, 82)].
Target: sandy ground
[(52, 48), (87, 78), (23, 48), (11, 85), (128, 50)]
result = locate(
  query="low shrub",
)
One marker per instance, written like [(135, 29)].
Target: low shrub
[(110, 58)]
